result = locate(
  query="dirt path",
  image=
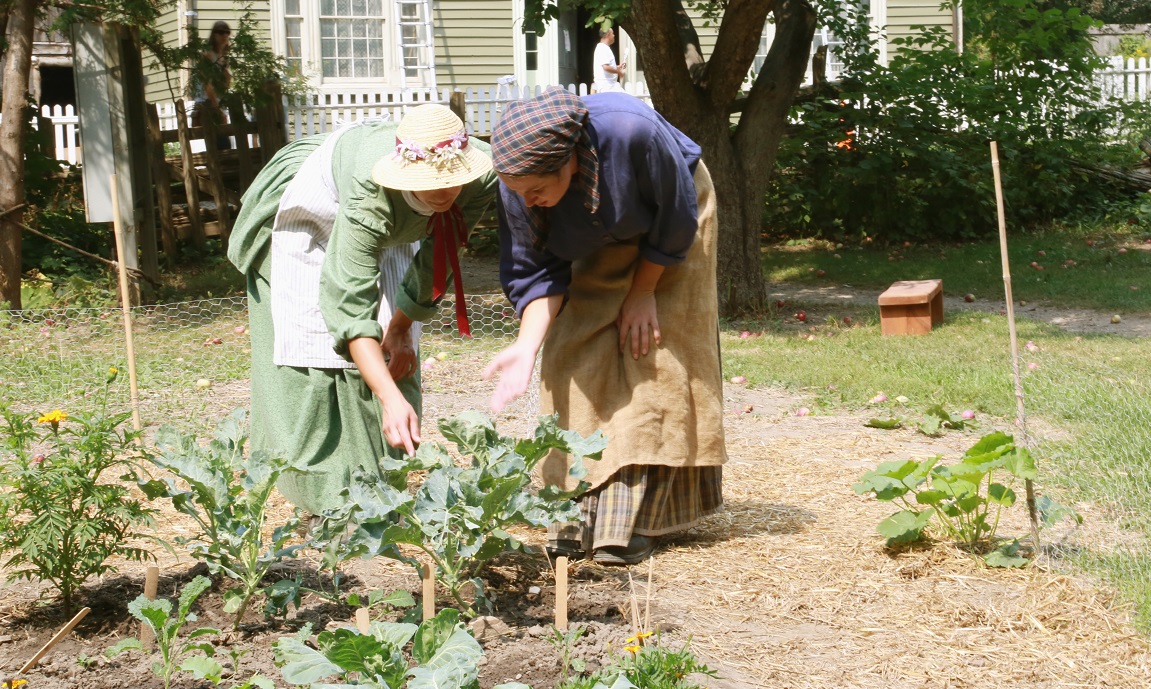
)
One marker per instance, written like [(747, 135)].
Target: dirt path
[(1072, 320)]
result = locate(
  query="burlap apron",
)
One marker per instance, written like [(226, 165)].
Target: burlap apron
[(664, 409)]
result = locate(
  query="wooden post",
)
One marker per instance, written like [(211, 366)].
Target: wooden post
[(429, 587), (126, 303), (1020, 416), (55, 640), (240, 129), (270, 121), (151, 581), (363, 620), (215, 175), (191, 187), (459, 105), (163, 184), (562, 593)]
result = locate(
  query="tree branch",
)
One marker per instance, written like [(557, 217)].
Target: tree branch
[(654, 25), (735, 49)]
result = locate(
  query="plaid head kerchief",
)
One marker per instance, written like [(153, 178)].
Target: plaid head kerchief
[(537, 136)]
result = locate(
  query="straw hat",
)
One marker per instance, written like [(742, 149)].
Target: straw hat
[(432, 152)]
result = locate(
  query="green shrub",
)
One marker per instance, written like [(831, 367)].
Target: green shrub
[(61, 518), (901, 152)]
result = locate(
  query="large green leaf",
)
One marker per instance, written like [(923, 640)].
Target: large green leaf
[(129, 644), (154, 613), (472, 432), (395, 634), (203, 667), (434, 633), (354, 652), (443, 677), (302, 664), (1022, 464), (1051, 512), (190, 593), (990, 443), (905, 526), (1001, 494), (888, 480), (1006, 555)]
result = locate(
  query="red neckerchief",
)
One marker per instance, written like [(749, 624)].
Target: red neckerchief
[(448, 233)]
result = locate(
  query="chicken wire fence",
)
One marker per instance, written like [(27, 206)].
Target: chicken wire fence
[(1089, 424), (192, 358)]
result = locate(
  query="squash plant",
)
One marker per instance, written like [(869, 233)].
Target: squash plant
[(459, 515), (227, 496), (964, 501)]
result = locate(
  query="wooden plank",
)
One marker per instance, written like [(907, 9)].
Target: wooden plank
[(242, 150), (219, 189), (163, 184), (191, 189)]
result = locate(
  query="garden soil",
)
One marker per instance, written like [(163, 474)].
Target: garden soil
[(789, 587)]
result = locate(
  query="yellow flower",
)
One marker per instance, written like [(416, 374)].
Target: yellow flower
[(112, 373), (53, 417), (639, 637), (632, 649), (13, 683)]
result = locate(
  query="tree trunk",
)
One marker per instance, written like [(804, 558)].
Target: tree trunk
[(17, 66)]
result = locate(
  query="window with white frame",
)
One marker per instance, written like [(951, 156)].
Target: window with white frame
[(342, 41)]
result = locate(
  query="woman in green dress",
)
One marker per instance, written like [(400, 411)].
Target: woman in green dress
[(347, 240)]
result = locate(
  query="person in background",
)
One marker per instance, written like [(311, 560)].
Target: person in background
[(347, 239), (608, 253), (212, 79), (607, 73)]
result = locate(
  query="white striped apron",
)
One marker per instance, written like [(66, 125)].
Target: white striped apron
[(300, 235)]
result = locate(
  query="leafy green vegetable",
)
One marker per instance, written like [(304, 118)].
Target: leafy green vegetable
[(459, 515), (227, 496)]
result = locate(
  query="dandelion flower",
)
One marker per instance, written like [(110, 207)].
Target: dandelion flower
[(632, 649), (112, 373)]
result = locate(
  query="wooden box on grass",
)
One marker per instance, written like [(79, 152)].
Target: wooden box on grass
[(911, 307)]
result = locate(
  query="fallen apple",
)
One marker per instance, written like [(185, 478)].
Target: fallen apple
[(820, 273), (1116, 319), (240, 329), (968, 298), (744, 335), (968, 414), (878, 398), (203, 384), (738, 380), (801, 316), (803, 411)]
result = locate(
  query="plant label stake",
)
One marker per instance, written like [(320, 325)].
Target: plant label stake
[(562, 593), (1020, 416), (55, 640), (151, 580), (363, 620), (126, 303), (429, 583)]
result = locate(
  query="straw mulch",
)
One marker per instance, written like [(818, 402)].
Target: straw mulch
[(793, 587)]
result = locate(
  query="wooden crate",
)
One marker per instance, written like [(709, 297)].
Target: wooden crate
[(911, 307)]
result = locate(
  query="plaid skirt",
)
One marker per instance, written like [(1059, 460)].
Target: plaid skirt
[(649, 500)]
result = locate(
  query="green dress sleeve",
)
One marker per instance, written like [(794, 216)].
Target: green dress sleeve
[(415, 295), (364, 227)]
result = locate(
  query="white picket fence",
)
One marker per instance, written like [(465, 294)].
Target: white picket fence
[(316, 113), (66, 131), (1129, 78)]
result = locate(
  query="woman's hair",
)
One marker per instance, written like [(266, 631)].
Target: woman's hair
[(219, 28)]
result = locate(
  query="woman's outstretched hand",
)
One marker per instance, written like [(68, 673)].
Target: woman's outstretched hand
[(401, 424), (514, 366)]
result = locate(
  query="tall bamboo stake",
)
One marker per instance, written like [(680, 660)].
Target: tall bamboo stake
[(1020, 414), (126, 302)]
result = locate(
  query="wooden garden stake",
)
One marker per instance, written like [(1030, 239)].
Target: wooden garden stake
[(151, 580), (562, 593), (55, 640), (647, 603), (429, 583), (1020, 416), (126, 302), (634, 600), (363, 620)]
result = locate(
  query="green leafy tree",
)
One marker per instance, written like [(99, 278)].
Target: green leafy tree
[(699, 95)]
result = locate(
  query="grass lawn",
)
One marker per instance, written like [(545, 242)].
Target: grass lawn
[(1083, 267)]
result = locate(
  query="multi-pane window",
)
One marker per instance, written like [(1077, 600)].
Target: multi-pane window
[(352, 39), (531, 51), (294, 35)]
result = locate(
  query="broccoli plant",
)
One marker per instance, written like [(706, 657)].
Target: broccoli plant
[(227, 496), (460, 514), (445, 656)]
